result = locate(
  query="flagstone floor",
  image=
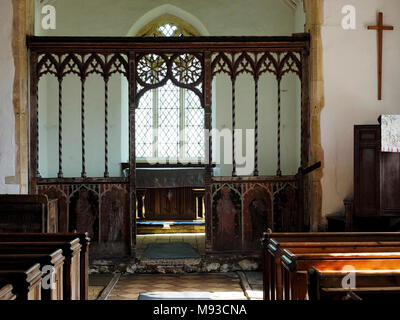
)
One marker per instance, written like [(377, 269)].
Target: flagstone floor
[(221, 286)]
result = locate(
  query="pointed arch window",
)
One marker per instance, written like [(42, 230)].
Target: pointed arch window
[(169, 119)]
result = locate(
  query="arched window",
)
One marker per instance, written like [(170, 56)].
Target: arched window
[(168, 25), (169, 119)]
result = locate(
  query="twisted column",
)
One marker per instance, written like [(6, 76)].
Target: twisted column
[(278, 172), (256, 127), (83, 173), (106, 173), (60, 113), (233, 126)]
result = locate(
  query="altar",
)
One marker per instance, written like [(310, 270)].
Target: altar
[(170, 193)]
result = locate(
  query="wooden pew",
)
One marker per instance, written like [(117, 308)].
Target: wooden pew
[(84, 255), (55, 260), (344, 236), (6, 293), (26, 282), (71, 251), (351, 296), (369, 284), (275, 252), (296, 266), (28, 213), (320, 237), (271, 254)]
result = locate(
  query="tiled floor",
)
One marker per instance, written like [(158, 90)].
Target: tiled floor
[(196, 240), (221, 286)]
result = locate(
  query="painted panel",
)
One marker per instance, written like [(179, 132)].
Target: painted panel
[(257, 213), (227, 211)]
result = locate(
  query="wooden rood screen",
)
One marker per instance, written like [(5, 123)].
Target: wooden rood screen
[(105, 206)]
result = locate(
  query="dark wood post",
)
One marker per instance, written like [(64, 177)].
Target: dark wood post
[(208, 147), (34, 130), (132, 151), (266, 266), (348, 213)]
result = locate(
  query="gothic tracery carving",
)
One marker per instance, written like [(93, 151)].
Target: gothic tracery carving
[(82, 65)]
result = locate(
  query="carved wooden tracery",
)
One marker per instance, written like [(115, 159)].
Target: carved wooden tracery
[(184, 70), (147, 63)]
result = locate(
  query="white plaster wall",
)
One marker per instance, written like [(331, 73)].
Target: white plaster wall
[(94, 126), (300, 18), (44, 124), (350, 74), (268, 115), (217, 18), (7, 120), (220, 17)]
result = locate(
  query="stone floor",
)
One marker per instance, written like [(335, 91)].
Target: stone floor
[(196, 240), (255, 280), (221, 286), (94, 292), (97, 282)]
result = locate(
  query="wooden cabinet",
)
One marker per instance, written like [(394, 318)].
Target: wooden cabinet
[(367, 170), (376, 180)]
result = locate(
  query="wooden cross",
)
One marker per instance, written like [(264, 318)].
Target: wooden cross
[(380, 28)]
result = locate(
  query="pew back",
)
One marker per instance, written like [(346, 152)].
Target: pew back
[(295, 267), (54, 260), (333, 236), (275, 280), (26, 282), (328, 284), (6, 293), (71, 251), (28, 213), (84, 255), (309, 241)]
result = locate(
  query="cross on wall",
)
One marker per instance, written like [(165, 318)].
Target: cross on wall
[(380, 28)]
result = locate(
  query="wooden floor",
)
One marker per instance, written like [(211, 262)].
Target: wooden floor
[(221, 286)]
